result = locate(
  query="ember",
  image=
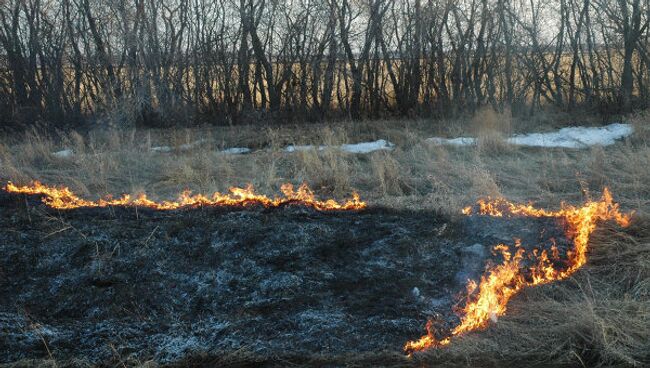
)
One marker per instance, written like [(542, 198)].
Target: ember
[(64, 198), (489, 299)]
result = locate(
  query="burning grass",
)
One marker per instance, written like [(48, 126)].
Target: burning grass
[(64, 199), (599, 317), (488, 300), (598, 314)]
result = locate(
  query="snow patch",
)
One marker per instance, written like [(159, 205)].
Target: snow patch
[(161, 149), (367, 147), (461, 141), (189, 146), (571, 137), (292, 148), (236, 151), (66, 153), (182, 147), (575, 137), (363, 147)]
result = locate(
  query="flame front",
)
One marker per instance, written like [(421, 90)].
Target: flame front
[(487, 301), (64, 198)]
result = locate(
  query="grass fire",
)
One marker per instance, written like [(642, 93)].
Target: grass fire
[(63, 198), (487, 300), (564, 238), (341, 183)]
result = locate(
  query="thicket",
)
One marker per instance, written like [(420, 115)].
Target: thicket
[(182, 62)]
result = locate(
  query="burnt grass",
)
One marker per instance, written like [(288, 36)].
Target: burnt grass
[(123, 285)]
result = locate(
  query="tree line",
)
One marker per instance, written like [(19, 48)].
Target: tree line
[(165, 62)]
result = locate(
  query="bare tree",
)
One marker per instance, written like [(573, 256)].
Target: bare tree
[(182, 61)]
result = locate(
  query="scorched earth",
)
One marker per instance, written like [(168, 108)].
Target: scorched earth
[(105, 285)]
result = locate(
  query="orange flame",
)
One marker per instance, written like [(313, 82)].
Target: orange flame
[(64, 198), (504, 280)]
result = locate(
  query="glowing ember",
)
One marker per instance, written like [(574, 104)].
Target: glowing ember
[(64, 198), (487, 301)]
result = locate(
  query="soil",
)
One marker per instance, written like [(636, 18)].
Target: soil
[(115, 285)]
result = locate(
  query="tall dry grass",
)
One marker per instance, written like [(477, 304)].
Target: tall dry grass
[(106, 162), (491, 129)]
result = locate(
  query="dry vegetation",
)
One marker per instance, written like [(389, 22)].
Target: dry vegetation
[(600, 317), (415, 173)]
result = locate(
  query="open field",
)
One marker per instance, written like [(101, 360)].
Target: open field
[(416, 173), (598, 317)]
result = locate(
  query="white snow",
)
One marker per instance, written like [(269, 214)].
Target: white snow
[(367, 147), (292, 148), (163, 149), (185, 147), (461, 141), (66, 153), (189, 146), (363, 147), (574, 137), (182, 147), (236, 151), (571, 137)]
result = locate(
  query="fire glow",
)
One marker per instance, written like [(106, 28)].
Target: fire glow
[(63, 198), (487, 300)]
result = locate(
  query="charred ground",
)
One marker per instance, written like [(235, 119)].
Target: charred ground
[(123, 284)]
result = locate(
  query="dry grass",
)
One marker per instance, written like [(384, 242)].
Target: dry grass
[(641, 123), (112, 162), (600, 317), (491, 129)]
